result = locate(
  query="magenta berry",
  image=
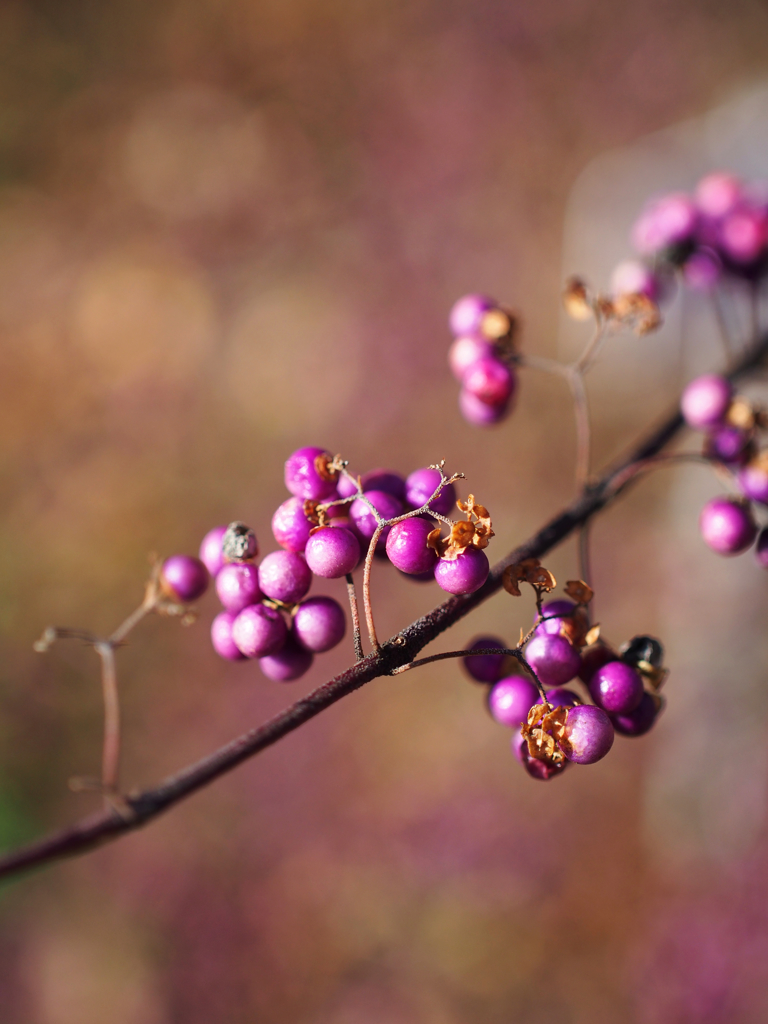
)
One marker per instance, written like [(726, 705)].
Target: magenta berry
[(465, 351), (727, 526), (730, 445), (332, 552), (291, 662), (465, 574), (304, 477), (184, 578), (617, 688), (742, 234), (259, 630), (485, 668), (319, 624), (384, 480), (561, 698), (237, 585), (510, 700), (346, 486), (466, 317), (284, 576), (290, 526), (479, 413), (407, 546), (665, 222), (554, 659), (490, 380), (422, 484), (639, 721), (211, 554), (385, 504), (561, 609), (221, 637), (753, 482), (718, 193), (594, 658), (705, 401), (588, 734), (703, 269)]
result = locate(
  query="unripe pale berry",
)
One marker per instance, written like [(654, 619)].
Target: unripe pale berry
[(184, 578)]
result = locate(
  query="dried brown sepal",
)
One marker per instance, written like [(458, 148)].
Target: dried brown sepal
[(760, 461), (740, 414), (329, 466), (312, 511), (636, 311), (655, 677), (541, 579), (592, 636), (604, 308), (576, 299), (579, 591), (435, 541), (496, 324), (544, 731), (508, 580), (574, 627)]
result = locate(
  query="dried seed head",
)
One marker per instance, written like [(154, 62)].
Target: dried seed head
[(579, 591), (239, 543), (576, 299), (740, 414)]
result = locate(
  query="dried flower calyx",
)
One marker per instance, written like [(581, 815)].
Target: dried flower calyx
[(544, 731), (476, 531), (631, 309), (530, 570), (328, 467)]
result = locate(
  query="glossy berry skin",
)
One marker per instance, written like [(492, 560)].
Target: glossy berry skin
[(617, 688), (727, 526), (466, 316), (407, 546), (560, 608), (463, 575), (561, 698), (554, 659), (753, 483), (385, 504), (536, 769), (221, 637), (384, 480), (290, 526), (237, 585), (485, 668), (465, 351), (288, 664), (302, 477), (510, 700), (284, 576), (332, 552), (588, 734), (490, 380), (479, 413), (345, 487), (639, 721), (761, 549), (184, 578), (319, 624), (594, 658), (705, 401), (730, 445), (421, 484), (259, 630), (211, 554)]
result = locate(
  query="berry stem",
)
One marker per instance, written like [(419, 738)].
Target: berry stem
[(355, 613), (722, 326), (583, 429), (373, 639), (110, 761)]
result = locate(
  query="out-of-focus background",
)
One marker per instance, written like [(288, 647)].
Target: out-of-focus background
[(229, 229)]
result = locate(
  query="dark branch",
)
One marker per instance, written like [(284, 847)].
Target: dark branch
[(399, 650)]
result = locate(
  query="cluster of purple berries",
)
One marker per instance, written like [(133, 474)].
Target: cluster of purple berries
[(721, 229), (570, 730), (480, 357), (731, 425)]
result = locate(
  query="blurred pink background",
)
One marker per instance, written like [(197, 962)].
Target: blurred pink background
[(230, 229)]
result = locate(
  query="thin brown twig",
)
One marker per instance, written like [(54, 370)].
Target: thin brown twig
[(355, 613)]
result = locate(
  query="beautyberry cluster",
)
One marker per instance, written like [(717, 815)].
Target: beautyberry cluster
[(732, 426), (561, 648), (480, 358)]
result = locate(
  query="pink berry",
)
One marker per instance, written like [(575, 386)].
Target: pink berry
[(485, 668), (221, 637), (705, 401), (463, 575), (388, 507), (284, 576), (490, 380), (211, 554), (588, 734), (288, 664), (407, 546), (510, 700), (479, 413), (639, 721), (465, 351), (753, 482), (184, 578), (467, 313), (237, 585), (332, 552), (319, 624), (259, 630), (304, 478), (290, 526), (727, 526), (422, 484)]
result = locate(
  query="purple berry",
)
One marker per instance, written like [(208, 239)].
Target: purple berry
[(761, 549), (284, 576), (753, 481), (407, 546), (290, 526), (743, 234), (705, 401), (385, 504), (288, 664), (562, 698), (465, 351), (594, 658), (259, 630), (211, 554), (466, 317), (465, 574), (730, 445), (422, 484), (485, 668), (332, 552), (490, 380), (510, 700), (639, 721), (319, 624), (588, 734), (479, 413), (184, 578), (703, 269), (237, 585), (617, 688), (665, 222), (303, 476), (346, 487), (727, 526), (718, 193), (554, 659), (384, 480), (569, 620), (221, 637)]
